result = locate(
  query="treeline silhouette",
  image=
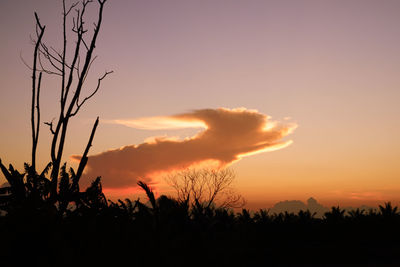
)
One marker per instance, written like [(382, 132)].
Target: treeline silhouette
[(85, 229)]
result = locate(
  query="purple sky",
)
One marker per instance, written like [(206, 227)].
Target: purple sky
[(332, 66)]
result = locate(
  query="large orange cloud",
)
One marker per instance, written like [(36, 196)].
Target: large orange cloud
[(228, 135)]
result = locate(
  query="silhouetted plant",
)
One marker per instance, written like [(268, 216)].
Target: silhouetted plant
[(176, 230), (335, 215), (206, 187), (150, 195), (33, 190), (262, 216), (93, 198), (372, 213), (306, 216), (225, 218), (48, 60), (25, 190), (357, 214), (290, 217), (388, 211), (244, 216)]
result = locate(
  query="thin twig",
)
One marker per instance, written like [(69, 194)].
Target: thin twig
[(79, 105), (50, 124)]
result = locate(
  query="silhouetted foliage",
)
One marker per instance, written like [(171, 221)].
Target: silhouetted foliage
[(176, 233), (336, 215), (388, 211), (202, 188)]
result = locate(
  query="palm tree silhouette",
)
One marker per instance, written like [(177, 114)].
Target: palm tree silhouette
[(335, 215), (388, 211)]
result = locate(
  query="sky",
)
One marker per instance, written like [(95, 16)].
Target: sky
[(204, 79)]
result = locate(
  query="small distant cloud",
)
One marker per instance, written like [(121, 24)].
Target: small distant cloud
[(360, 195), (294, 206), (227, 136)]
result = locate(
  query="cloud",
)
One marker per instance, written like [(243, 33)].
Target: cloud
[(294, 206), (227, 135), (361, 195), (160, 123)]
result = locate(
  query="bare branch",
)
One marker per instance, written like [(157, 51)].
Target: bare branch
[(74, 27), (77, 67), (79, 105), (50, 124), (58, 53), (87, 72), (33, 42), (36, 92), (206, 187), (52, 61), (46, 70), (65, 13), (83, 41), (6, 173), (49, 56), (38, 23), (23, 61), (38, 107), (84, 158)]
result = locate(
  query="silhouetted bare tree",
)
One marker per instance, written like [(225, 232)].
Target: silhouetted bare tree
[(69, 71), (72, 73), (205, 187)]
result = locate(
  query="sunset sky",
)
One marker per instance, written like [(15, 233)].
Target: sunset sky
[(196, 81)]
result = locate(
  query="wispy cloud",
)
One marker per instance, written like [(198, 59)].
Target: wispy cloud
[(160, 123), (228, 135)]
